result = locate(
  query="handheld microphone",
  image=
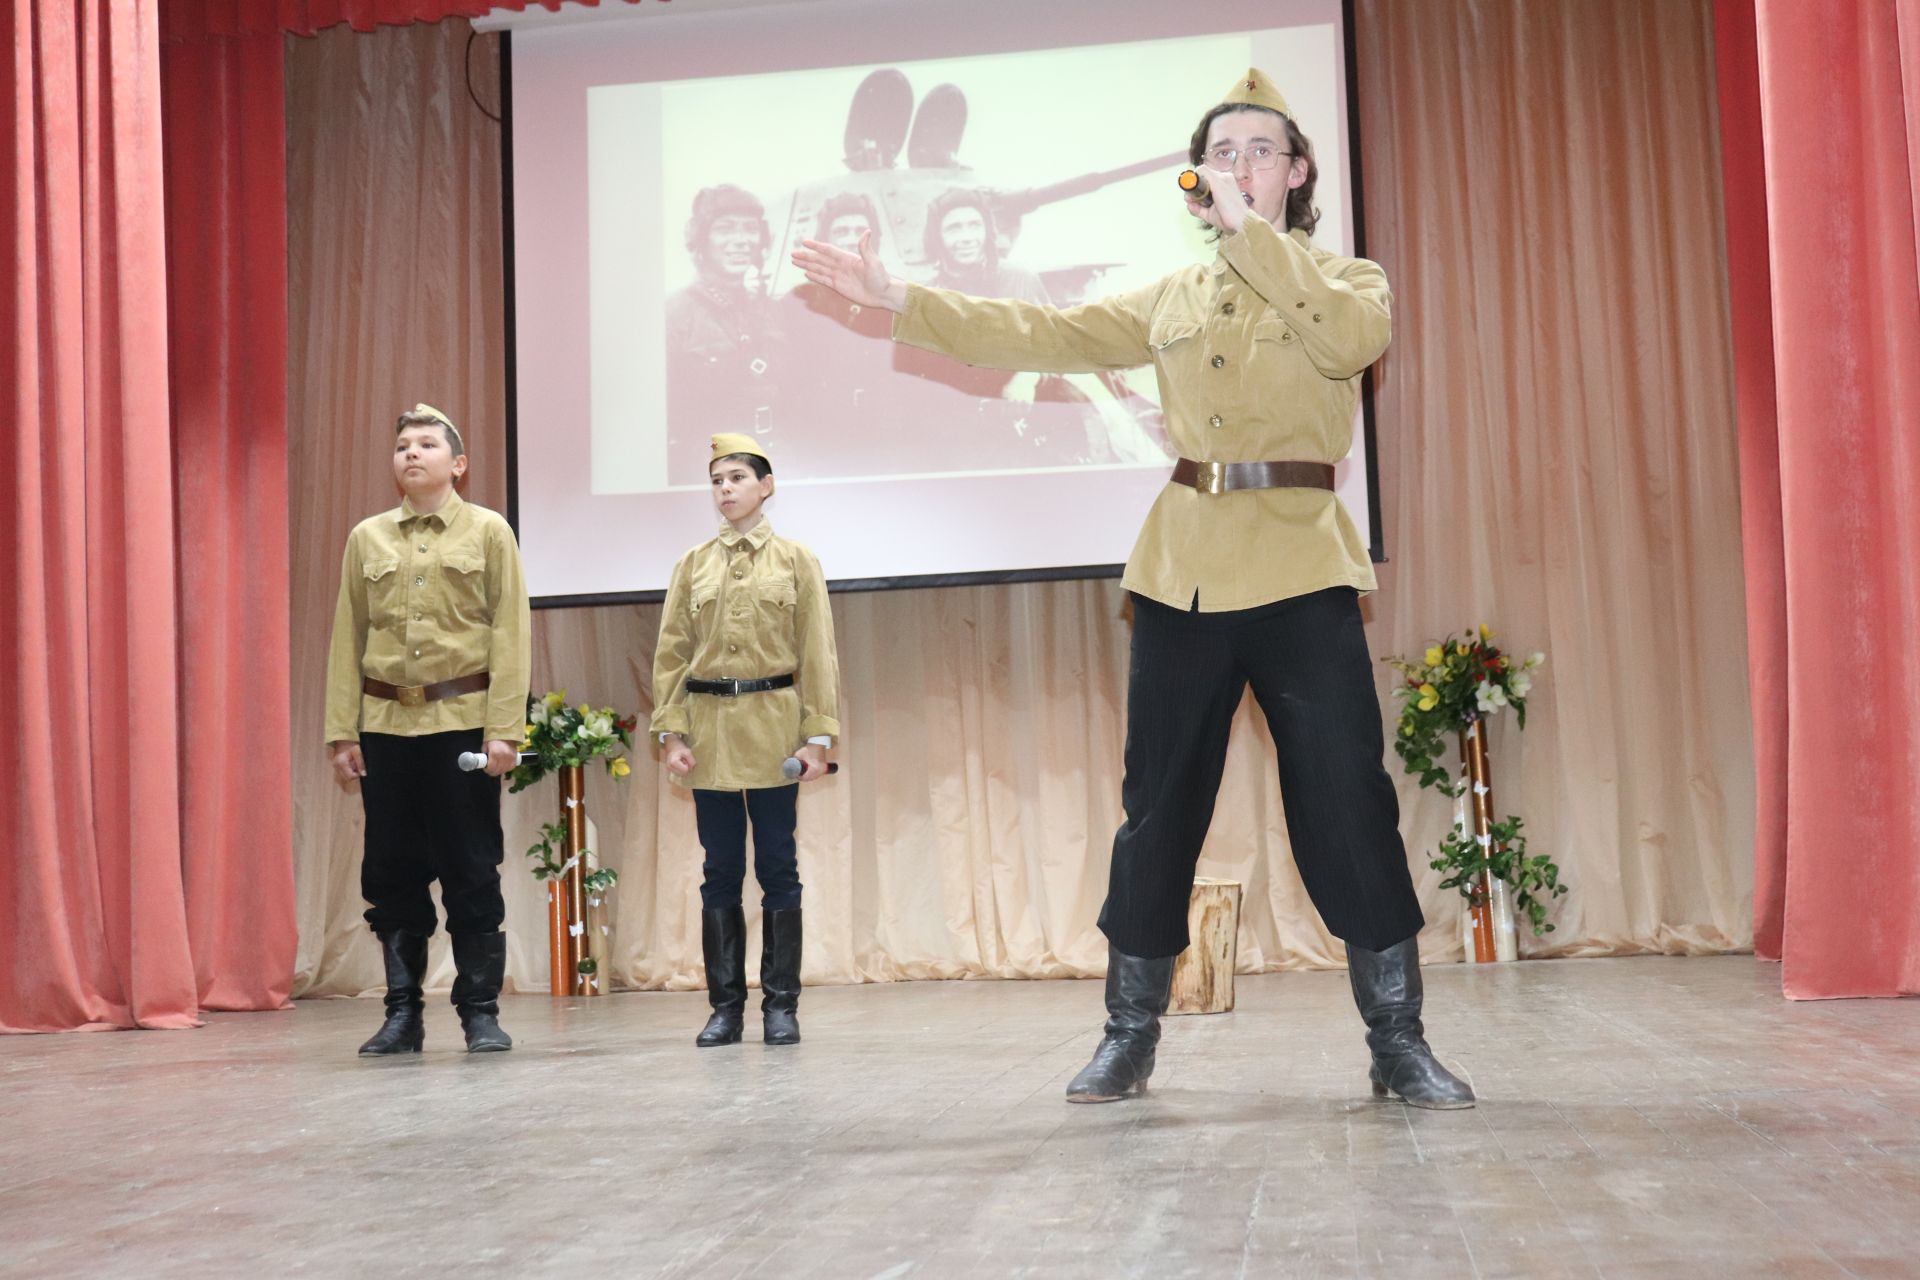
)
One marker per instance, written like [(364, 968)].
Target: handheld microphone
[(471, 760), (792, 767), (1195, 184)]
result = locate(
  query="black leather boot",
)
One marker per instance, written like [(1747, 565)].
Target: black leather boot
[(480, 963), (405, 1029), (1386, 986), (1137, 993), (780, 976), (723, 943)]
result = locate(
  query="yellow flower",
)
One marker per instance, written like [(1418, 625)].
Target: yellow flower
[(555, 701), (1435, 656), (527, 732), (1486, 632), (619, 768), (1429, 697)]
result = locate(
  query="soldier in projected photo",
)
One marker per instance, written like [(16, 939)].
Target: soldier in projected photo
[(1020, 419), (842, 362), (725, 350)]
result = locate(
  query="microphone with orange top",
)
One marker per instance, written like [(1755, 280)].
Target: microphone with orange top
[(1195, 184)]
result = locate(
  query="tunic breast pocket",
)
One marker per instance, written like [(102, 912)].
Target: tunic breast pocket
[(385, 596), (463, 575), (1271, 333), (774, 600), (1168, 332)]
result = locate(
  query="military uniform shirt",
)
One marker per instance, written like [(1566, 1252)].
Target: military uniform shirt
[(744, 606), (1259, 356), (426, 598)]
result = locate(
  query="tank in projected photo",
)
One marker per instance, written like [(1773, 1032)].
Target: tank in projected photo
[(935, 220)]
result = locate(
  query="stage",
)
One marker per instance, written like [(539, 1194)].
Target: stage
[(1643, 1117)]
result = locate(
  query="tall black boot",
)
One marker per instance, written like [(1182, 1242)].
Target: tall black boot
[(405, 1029), (723, 943), (1137, 992), (480, 964), (780, 976), (1386, 986)]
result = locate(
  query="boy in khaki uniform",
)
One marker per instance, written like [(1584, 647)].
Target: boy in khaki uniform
[(1246, 574), (745, 677), (429, 661)]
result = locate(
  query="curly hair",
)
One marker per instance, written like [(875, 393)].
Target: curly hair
[(1300, 210)]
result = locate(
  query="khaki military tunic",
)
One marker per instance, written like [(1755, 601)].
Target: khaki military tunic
[(743, 606), (1259, 356), (426, 598)]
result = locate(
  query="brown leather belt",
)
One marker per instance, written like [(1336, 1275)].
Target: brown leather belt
[(419, 695), (1225, 477)]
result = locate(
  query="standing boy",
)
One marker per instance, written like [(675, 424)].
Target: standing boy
[(745, 677), (429, 661)]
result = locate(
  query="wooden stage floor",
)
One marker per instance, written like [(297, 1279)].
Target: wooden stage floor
[(1645, 1117)]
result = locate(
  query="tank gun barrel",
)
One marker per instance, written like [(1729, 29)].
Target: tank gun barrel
[(1026, 200)]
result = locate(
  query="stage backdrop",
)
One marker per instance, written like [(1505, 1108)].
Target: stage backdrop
[(1558, 461)]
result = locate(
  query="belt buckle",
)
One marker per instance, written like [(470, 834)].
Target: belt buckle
[(410, 695), (1212, 478)]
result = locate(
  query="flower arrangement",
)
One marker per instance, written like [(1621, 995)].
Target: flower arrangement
[(1502, 855), (571, 736), (568, 737), (1457, 682)]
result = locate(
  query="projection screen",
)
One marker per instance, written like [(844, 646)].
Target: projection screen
[(665, 159)]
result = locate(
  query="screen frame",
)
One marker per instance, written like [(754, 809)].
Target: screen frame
[(1376, 541)]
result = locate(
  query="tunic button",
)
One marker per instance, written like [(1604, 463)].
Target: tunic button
[(1219, 362), (738, 574), (1226, 308), (1316, 317), (1214, 420), (419, 582), (1300, 306), (416, 617), (423, 546), (733, 648)]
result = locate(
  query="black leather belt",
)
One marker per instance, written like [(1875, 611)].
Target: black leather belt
[(1226, 477), (734, 688)]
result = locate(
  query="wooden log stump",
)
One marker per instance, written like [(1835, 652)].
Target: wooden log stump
[(1203, 973)]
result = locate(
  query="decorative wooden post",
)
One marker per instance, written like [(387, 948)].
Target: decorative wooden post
[(567, 905), (1473, 752)]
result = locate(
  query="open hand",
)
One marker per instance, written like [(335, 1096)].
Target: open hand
[(858, 277)]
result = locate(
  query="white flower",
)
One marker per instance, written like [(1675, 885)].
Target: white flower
[(1489, 698), (538, 715), (1522, 683), (1534, 661)]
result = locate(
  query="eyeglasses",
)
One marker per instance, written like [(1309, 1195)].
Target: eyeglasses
[(1258, 156)]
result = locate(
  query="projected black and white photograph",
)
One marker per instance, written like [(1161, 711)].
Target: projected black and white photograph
[(1015, 176), (1043, 171)]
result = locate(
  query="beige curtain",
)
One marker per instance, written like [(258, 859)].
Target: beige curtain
[(1557, 460)]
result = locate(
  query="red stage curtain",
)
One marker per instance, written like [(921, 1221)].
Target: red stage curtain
[(1822, 97), (196, 19), (226, 219), (96, 931)]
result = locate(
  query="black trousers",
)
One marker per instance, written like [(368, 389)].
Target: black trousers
[(427, 821), (1306, 659), (722, 817)]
